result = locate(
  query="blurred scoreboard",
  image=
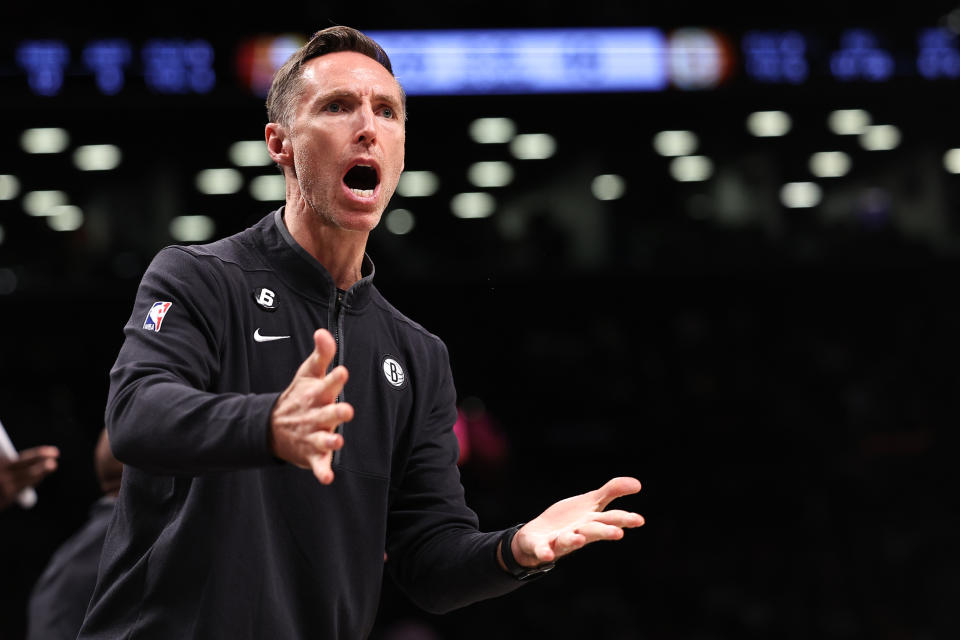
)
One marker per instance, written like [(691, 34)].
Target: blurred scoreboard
[(495, 61)]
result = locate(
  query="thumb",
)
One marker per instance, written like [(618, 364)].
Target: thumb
[(324, 348), (615, 488)]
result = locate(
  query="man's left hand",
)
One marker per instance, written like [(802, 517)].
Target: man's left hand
[(574, 523)]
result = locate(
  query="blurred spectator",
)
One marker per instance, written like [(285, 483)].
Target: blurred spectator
[(60, 597), (482, 442), (23, 471)]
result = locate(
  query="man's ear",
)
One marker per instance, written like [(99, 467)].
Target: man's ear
[(278, 144)]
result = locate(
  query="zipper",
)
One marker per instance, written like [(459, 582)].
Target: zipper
[(338, 357)]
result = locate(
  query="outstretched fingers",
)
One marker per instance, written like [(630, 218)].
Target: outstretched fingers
[(620, 518)]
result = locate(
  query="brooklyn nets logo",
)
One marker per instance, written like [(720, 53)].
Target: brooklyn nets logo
[(393, 372)]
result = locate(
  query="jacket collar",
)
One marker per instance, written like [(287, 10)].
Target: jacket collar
[(303, 272)]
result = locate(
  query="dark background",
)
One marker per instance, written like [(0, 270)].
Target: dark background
[(781, 381)]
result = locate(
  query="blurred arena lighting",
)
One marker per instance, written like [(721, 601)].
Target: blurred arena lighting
[(698, 58), (675, 143), (775, 56), (65, 217), (196, 228), (399, 222), (259, 57), (951, 161), (107, 59), (9, 186), (938, 56), (860, 57), (268, 188), (830, 164), (608, 187), (418, 184), (880, 137), (44, 140), (39, 203), (175, 66), (769, 124), (249, 153), (44, 61), (691, 168), (492, 130), (848, 122), (525, 61), (97, 157), (219, 181), (490, 174), (533, 146), (800, 195), (473, 205)]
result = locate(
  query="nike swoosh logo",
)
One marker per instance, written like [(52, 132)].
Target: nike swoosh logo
[(260, 338)]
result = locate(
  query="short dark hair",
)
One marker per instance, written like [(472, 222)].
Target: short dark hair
[(287, 81)]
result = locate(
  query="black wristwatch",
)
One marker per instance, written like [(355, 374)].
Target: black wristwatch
[(517, 570)]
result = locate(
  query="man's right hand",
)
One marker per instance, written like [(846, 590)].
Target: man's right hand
[(305, 418)]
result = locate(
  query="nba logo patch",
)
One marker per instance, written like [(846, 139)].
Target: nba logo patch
[(155, 317)]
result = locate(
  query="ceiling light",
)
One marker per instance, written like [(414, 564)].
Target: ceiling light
[(399, 222), (249, 153), (848, 122), (490, 174), (830, 164), (675, 143), (608, 187), (44, 140), (65, 217), (951, 161), (800, 195), (272, 188), (219, 181), (9, 187), (418, 184), (880, 137), (39, 203), (192, 228), (768, 124), (691, 168), (533, 146), (97, 157), (473, 205), (492, 130)]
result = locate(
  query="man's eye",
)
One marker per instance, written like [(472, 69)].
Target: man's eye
[(335, 107), (387, 112)]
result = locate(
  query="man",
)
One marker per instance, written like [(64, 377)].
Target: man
[(60, 596), (261, 487)]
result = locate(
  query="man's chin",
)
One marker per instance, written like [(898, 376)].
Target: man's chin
[(360, 221)]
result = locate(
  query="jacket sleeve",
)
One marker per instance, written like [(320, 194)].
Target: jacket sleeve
[(436, 553), (162, 413)]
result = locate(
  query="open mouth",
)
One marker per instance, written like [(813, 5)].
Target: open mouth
[(362, 180)]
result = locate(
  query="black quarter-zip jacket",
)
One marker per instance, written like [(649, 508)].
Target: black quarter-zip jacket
[(212, 536)]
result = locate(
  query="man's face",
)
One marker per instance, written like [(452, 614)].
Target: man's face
[(348, 138)]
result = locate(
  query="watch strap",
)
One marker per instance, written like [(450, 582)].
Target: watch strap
[(516, 569)]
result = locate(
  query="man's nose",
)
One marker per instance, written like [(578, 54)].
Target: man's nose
[(366, 127)]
